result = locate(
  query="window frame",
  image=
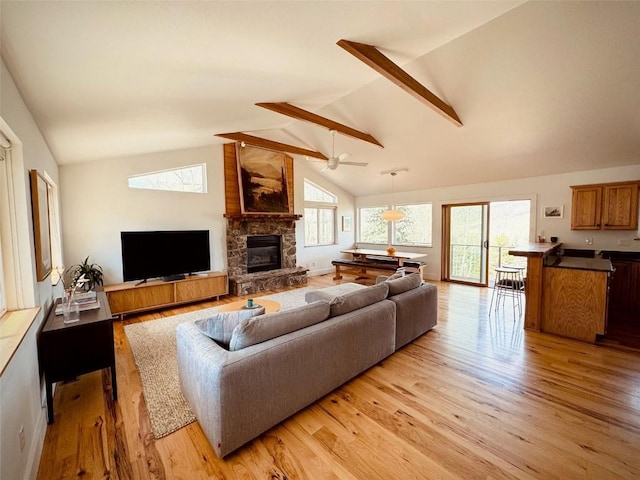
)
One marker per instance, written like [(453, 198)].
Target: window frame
[(202, 165), (361, 223), (3, 295), (391, 226), (15, 223), (334, 210), (320, 205)]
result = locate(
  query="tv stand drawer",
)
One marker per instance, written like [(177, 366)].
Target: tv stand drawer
[(140, 298), (132, 297), (200, 288)]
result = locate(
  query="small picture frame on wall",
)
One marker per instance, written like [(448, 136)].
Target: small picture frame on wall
[(553, 212), (41, 234), (346, 223)]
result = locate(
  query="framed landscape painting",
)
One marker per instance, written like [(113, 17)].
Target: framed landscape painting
[(262, 178)]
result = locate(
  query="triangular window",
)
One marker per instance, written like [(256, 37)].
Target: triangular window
[(183, 179), (314, 193)]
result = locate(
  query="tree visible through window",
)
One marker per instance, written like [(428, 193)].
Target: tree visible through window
[(414, 229), (183, 179), (372, 228), (319, 215)]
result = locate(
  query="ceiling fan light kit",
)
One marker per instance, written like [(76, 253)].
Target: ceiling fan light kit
[(334, 160)]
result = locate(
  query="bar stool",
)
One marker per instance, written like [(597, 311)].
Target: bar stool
[(508, 283)]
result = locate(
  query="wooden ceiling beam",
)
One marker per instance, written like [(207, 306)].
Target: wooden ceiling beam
[(270, 144), (385, 67), (304, 115)]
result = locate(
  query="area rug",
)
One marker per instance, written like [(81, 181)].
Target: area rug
[(153, 344)]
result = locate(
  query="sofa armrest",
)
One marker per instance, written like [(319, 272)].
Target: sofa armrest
[(416, 312), (200, 362)]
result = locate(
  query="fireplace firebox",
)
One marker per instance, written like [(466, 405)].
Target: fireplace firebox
[(264, 252)]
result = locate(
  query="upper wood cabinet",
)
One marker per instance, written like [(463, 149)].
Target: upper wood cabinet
[(608, 206)]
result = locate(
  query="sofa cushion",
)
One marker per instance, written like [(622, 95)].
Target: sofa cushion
[(271, 325), (358, 299), (403, 284), (220, 325)]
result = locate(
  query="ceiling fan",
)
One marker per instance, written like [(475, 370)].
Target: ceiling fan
[(334, 161)]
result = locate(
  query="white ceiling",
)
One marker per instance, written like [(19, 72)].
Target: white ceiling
[(541, 87)]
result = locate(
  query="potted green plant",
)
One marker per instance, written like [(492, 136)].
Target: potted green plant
[(92, 273)]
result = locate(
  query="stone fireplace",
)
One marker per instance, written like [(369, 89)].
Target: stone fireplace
[(261, 254)]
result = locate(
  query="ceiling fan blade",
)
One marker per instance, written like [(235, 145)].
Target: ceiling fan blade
[(357, 164), (343, 156)]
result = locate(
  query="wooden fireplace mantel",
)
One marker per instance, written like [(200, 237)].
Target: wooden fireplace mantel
[(262, 217)]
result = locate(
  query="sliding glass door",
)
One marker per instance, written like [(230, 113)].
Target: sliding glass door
[(466, 241), (477, 238)]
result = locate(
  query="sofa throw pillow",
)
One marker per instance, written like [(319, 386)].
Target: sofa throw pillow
[(329, 294), (358, 299), (220, 325), (383, 278), (271, 325), (404, 284)]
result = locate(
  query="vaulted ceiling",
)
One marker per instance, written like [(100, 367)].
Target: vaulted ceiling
[(540, 87)]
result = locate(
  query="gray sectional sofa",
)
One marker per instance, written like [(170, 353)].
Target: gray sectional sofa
[(242, 382)]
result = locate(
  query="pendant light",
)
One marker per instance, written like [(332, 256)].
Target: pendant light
[(392, 215)]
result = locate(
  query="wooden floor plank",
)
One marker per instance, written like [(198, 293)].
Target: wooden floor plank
[(477, 397)]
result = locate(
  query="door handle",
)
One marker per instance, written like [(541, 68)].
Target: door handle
[(485, 244)]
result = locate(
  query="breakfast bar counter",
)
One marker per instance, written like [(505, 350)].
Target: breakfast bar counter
[(574, 297), (536, 254), (565, 295)]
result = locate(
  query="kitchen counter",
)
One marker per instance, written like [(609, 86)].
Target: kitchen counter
[(533, 249), (536, 254), (621, 256), (579, 263)]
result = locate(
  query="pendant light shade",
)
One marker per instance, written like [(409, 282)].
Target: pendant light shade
[(392, 215)]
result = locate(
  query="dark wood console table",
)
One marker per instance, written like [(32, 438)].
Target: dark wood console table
[(68, 350)]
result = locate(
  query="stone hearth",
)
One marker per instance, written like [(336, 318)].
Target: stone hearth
[(243, 283)]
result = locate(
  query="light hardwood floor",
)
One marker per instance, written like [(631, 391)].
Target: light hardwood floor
[(475, 398)]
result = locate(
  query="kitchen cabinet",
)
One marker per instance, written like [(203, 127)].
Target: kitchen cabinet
[(625, 293), (609, 206), (574, 298), (621, 285)]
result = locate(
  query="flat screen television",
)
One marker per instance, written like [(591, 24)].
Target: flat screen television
[(166, 254)]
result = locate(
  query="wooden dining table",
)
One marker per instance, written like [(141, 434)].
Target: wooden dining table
[(361, 254)]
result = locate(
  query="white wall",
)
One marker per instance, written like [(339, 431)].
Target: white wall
[(551, 190), (97, 205), (20, 387)]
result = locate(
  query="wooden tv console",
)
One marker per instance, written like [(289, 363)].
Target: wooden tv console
[(131, 297)]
